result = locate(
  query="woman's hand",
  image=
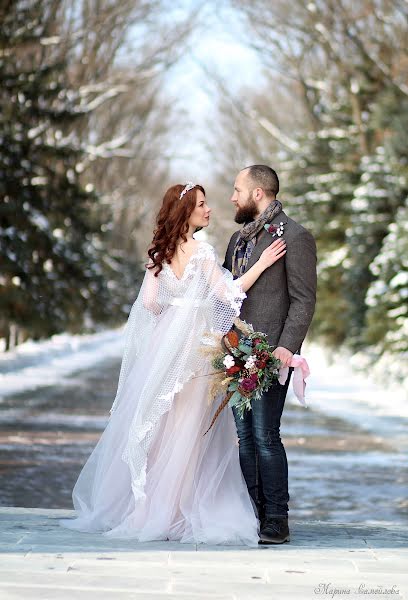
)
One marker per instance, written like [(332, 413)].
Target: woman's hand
[(269, 256), (272, 253)]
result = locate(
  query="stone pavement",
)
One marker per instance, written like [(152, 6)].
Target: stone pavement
[(40, 560)]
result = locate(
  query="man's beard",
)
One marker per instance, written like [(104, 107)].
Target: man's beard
[(247, 213)]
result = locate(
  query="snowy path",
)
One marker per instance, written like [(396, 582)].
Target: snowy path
[(334, 388), (346, 451), (41, 561), (35, 364)]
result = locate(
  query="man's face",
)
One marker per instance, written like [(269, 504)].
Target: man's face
[(242, 198)]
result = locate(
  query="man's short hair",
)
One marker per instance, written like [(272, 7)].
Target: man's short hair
[(264, 177)]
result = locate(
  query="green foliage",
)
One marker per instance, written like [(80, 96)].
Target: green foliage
[(217, 362), (54, 275), (320, 185), (235, 399), (332, 118), (387, 297), (348, 199), (245, 349), (374, 205)]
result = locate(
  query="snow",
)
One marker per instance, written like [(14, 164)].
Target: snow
[(318, 196), (335, 132), (333, 386), (334, 258), (40, 220), (337, 388), (36, 364), (39, 180), (399, 280)]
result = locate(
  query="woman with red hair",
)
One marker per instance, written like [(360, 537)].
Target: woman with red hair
[(153, 475)]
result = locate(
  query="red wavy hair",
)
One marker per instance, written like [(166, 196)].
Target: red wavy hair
[(171, 225)]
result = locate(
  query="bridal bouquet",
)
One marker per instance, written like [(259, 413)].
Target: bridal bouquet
[(246, 368)]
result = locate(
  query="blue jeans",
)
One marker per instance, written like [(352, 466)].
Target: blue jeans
[(262, 454)]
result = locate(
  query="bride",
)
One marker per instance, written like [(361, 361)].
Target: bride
[(153, 475)]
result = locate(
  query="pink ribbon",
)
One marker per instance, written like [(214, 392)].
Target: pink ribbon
[(300, 372)]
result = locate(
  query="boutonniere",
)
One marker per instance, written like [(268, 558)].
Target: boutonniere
[(275, 230)]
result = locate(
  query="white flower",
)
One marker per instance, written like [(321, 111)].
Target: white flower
[(280, 229), (250, 362), (228, 361)]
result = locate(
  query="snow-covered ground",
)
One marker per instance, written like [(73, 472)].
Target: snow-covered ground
[(338, 471), (49, 362), (333, 387), (336, 388), (335, 383)]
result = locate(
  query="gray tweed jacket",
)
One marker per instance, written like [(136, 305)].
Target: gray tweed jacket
[(281, 302)]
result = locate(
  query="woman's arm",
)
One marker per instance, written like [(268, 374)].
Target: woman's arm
[(268, 257), (150, 293)]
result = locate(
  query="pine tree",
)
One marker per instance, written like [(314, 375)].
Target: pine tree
[(320, 182), (374, 205), (387, 296), (51, 242)]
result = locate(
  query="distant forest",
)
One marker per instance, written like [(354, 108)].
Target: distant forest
[(82, 116)]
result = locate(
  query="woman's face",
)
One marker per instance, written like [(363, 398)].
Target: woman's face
[(200, 217)]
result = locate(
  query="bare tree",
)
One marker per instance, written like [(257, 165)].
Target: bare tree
[(119, 54), (332, 51)]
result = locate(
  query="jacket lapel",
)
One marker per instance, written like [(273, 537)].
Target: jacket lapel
[(265, 239)]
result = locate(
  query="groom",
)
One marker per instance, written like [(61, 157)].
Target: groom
[(281, 304)]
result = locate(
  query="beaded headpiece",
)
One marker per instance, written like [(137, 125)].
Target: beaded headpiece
[(188, 187)]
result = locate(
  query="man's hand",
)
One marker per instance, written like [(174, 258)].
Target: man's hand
[(284, 355)]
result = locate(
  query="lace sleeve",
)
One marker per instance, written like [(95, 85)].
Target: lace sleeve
[(150, 293), (142, 318), (224, 293), (205, 299)]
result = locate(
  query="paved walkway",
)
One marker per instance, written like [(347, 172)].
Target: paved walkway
[(40, 560)]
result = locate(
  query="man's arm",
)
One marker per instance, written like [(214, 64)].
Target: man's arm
[(301, 281)]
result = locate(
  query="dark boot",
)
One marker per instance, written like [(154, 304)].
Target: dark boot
[(274, 531)]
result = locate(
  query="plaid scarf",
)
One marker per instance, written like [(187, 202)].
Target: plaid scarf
[(246, 240)]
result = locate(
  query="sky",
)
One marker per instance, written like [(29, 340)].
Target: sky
[(218, 44)]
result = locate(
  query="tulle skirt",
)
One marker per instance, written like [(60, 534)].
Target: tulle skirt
[(194, 490)]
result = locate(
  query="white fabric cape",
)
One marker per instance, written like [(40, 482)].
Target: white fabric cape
[(166, 329)]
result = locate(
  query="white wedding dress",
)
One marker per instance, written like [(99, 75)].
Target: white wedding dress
[(153, 475)]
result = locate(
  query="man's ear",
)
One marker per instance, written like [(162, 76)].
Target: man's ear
[(258, 194)]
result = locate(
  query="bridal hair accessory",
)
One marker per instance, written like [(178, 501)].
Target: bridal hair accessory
[(188, 187)]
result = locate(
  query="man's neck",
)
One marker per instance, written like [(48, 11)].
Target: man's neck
[(263, 205)]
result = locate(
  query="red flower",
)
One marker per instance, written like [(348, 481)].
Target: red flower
[(260, 364), (272, 229), (248, 385), (263, 356), (233, 370), (257, 341)]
